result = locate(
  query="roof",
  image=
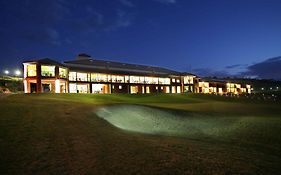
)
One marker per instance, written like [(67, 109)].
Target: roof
[(188, 73), (47, 61), (104, 66), (213, 80)]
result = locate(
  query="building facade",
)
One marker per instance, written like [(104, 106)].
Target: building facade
[(88, 75)]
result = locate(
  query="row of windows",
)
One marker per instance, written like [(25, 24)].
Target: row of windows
[(97, 77), (49, 71), (46, 71)]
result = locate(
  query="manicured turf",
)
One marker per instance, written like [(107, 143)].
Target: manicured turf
[(61, 134)]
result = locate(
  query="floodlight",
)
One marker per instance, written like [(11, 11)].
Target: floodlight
[(6, 72), (17, 72)]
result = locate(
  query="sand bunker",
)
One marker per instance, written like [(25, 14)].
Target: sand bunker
[(166, 122)]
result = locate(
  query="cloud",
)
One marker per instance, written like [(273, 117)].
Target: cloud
[(166, 1), (268, 69), (207, 72), (42, 36), (233, 66), (127, 3), (123, 19)]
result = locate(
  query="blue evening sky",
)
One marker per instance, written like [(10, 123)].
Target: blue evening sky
[(199, 36)]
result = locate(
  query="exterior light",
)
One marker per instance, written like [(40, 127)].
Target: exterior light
[(6, 72), (17, 72)]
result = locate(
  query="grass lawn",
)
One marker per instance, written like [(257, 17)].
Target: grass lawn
[(61, 134)]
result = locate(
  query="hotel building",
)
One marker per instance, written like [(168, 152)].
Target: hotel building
[(88, 75)]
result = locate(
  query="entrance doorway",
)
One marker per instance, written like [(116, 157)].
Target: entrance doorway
[(100, 88), (33, 88)]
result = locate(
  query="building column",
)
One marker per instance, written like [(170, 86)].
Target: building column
[(111, 88), (38, 78), (129, 89), (91, 88)]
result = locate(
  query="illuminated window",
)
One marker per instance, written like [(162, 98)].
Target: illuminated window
[(134, 79), (164, 80), (147, 89), (173, 89), (134, 89), (82, 88), (188, 80), (99, 77), (186, 89), (62, 72), (118, 79), (173, 80), (167, 89), (83, 76), (120, 87), (178, 89), (238, 85), (31, 70), (127, 79), (72, 88), (48, 71), (151, 80), (178, 81), (142, 80), (72, 76)]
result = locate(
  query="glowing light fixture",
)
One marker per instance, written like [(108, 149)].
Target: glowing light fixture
[(17, 72), (6, 72)]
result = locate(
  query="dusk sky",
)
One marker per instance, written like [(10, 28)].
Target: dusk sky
[(211, 37)]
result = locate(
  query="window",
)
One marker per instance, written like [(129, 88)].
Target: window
[(83, 76), (188, 80), (82, 88), (127, 79), (142, 80), (164, 80), (178, 89), (134, 79), (118, 79), (173, 80), (31, 70), (167, 89), (151, 80), (99, 77), (62, 72), (72, 88), (72, 76), (120, 87), (48, 71), (173, 89)]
